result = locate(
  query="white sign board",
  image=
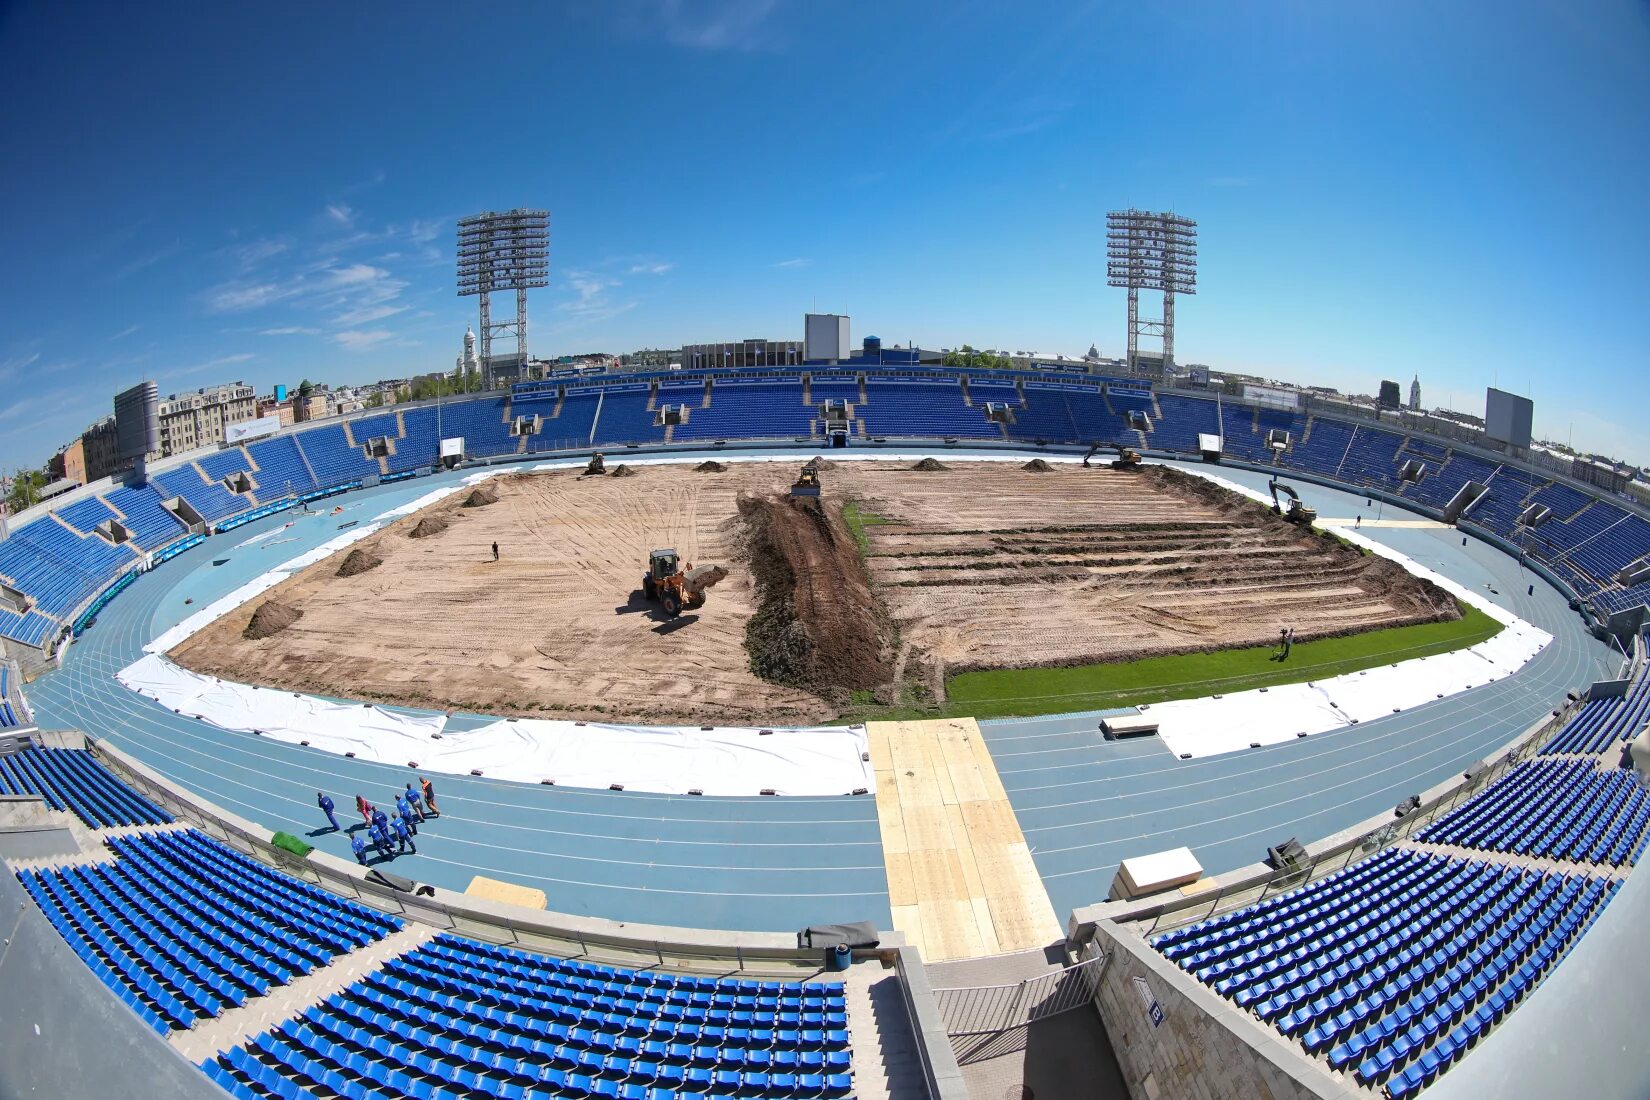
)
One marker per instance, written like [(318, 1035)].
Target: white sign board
[(453, 448), (251, 429)]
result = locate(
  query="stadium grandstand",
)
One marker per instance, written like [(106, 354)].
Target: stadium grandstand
[(172, 899)]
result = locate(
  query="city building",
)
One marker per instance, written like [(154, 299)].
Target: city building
[(192, 420), (1415, 394), (89, 458), (743, 353), (313, 407), (652, 358), (467, 361)]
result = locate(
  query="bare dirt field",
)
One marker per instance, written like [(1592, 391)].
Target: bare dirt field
[(982, 565), (556, 628)]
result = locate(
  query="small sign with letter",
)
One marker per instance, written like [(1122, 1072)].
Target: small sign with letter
[(1149, 1002)]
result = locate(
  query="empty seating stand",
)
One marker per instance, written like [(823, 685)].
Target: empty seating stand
[(182, 928), (465, 1016), (1601, 723), (73, 780), (1395, 967), (1554, 809)]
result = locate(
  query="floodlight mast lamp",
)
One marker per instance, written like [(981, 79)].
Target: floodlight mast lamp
[(508, 250), (1147, 251)]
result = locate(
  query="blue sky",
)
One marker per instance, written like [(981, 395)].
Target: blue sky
[(199, 194)]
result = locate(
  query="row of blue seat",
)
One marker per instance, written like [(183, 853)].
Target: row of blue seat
[(1396, 966), (72, 780), (1553, 809)]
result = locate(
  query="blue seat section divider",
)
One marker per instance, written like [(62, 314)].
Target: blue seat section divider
[(1553, 809), (59, 567), (904, 407), (281, 471), (625, 418), (1395, 967), (85, 515), (458, 1017), (1183, 420), (746, 411), (152, 526), (73, 780), (333, 458), (209, 498), (182, 927)]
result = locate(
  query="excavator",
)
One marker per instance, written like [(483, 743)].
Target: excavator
[(1298, 512), (678, 589), (1127, 458)]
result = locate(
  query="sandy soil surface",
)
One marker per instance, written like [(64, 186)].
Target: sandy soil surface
[(994, 566), (983, 565), (556, 628)]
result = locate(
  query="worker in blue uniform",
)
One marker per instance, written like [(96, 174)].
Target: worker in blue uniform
[(326, 805), (404, 835), (360, 848)]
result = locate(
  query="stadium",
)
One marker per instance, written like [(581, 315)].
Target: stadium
[(982, 765)]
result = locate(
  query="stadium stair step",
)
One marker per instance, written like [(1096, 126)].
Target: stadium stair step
[(287, 1002)]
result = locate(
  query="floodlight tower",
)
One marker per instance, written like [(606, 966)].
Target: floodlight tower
[(1146, 251), (503, 251)]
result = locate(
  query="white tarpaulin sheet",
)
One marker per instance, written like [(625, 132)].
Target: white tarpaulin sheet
[(721, 761), (1205, 727)]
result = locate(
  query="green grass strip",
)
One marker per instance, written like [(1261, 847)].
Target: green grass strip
[(1006, 693), (858, 520)]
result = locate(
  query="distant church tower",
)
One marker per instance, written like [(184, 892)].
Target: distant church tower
[(467, 362), (1415, 394)]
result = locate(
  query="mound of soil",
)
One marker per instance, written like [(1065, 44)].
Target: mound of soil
[(817, 625), (819, 463), (711, 466), (930, 464), (429, 526), (621, 470), (1038, 466), (358, 561), (270, 619), (480, 497)]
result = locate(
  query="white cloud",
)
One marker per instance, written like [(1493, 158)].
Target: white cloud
[(142, 263), (650, 268), (716, 24), (125, 332), (18, 363), (289, 330), (211, 365), (341, 213), (355, 274), (256, 252), (357, 340), (800, 261), (239, 297)]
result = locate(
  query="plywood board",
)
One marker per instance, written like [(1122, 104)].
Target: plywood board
[(508, 892), (961, 880)]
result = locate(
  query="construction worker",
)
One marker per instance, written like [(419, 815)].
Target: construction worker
[(415, 801), (429, 797), (380, 820), (495, 551), (404, 835), (404, 811), (381, 841), (325, 803), (360, 848)]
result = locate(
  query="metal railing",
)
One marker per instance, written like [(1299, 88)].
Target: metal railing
[(988, 1009)]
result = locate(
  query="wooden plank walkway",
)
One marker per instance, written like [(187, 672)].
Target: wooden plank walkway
[(961, 882)]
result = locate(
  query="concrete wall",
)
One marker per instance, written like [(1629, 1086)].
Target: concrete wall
[(941, 1073), (63, 1033), (1204, 1048)]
